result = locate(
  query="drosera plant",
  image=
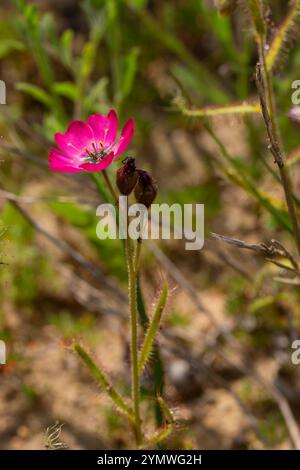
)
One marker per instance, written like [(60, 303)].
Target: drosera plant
[(91, 147)]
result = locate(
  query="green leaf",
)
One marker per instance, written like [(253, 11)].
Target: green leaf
[(157, 364), (10, 45), (103, 382), (87, 60), (160, 435), (35, 92), (66, 89), (166, 410), (212, 111), (129, 72), (152, 329), (66, 41)]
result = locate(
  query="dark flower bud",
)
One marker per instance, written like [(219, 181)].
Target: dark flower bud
[(127, 176), (146, 189)]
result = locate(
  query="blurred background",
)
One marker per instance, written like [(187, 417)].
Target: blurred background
[(223, 357)]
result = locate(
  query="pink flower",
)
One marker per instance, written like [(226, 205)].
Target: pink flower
[(90, 146)]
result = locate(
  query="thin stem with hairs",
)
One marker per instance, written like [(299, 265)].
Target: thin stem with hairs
[(132, 267)]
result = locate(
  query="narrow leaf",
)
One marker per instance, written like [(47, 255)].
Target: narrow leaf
[(35, 92), (66, 89), (157, 364), (152, 329), (211, 111), (160, 435), (129, 72), (9, 45), (166, 410), (66, 46), (103, 382)]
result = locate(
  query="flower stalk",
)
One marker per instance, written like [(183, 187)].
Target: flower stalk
[(132, 288), (132, 268)]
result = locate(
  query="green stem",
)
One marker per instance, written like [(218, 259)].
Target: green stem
[(110, 186), (132, 287), (132, 266), (137, 255)]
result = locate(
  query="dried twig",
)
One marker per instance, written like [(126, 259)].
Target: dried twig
[(270, 251)]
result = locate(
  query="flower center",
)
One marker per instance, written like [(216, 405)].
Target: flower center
[(97, 154)]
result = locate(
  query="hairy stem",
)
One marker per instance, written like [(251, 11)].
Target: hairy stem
[(132, 267), (132, 287), (137, 255)]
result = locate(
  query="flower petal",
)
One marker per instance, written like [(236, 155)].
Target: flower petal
[(113, 128), (98, 166), (105, 128), (125, 138), (78, 137), (60, 162), (65, 169)]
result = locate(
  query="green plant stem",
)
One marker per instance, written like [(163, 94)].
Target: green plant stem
[(132, 288), (137, 255), (110, 186), (132, 267)]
